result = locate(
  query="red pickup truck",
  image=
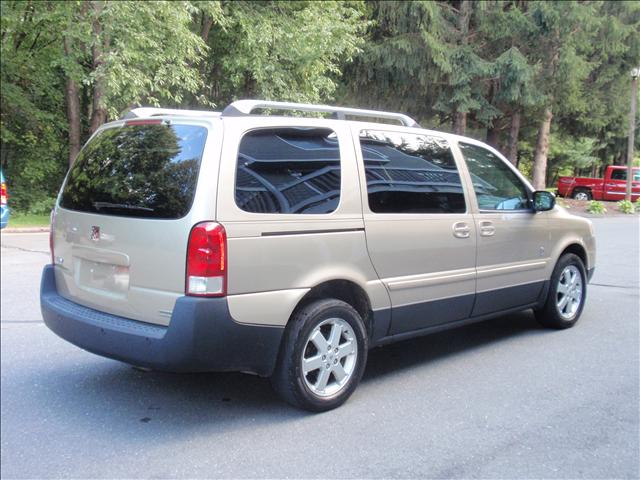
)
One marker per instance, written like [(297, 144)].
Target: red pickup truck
[(611, 188)]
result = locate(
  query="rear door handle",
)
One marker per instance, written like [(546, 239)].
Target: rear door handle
[(461, 230), (486, 228)]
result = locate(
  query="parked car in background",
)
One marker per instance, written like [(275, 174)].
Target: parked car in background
[(289, 246), (4, 205), (612, 187)]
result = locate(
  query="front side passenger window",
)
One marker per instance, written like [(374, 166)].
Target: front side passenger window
[(496, 186)]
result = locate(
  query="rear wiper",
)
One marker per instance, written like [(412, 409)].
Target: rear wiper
[(120, 206)]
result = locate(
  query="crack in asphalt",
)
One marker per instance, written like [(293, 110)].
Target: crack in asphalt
[(24, 249), (613, 286)]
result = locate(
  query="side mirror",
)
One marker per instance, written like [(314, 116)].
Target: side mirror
[(543, 201)]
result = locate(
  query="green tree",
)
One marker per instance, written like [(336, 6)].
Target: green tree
[(503, 30), (32, 121), (280, 50), (406, 53), (562, 43), (126, 54)]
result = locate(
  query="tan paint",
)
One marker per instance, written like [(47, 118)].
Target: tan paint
[(136, 269)]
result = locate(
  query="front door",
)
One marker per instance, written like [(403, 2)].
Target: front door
[(513, 240), (420, 233), (615, 188)]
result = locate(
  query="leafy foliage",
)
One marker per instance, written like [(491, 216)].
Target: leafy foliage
[(281, 50), (625, 206), (595, 207)]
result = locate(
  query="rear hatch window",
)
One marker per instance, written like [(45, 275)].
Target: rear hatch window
[(144, 170)]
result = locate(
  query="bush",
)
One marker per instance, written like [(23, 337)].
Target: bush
[(625, 206), (596, 207), (638, 205), (42, 207)]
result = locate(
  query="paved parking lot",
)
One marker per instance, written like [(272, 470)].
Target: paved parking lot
[(501, 399)]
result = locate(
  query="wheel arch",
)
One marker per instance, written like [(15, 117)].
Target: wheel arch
[(580, 188), (346, 290), (577, 249)]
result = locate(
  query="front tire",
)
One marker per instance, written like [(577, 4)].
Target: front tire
[(322, 357), (567, 294)]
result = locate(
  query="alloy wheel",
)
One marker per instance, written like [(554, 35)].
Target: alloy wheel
[(329, 357), (569, 292)]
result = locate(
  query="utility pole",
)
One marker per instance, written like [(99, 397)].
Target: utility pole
[(635, 73)]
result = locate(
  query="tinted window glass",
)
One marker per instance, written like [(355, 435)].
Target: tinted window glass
[(137, 171), (497, 187), (619, 174), (288, 170), (410, 173)]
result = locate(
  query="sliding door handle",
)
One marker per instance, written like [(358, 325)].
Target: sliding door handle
[(461, 230)]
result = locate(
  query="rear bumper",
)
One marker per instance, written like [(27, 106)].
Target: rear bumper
[(201, 336)]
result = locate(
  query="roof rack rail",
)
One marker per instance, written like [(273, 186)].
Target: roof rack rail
[(157, 112), (245, 107)]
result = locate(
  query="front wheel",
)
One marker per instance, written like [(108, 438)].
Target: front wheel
[(323, 355), (567, 294)]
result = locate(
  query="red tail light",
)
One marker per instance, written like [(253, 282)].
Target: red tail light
[(207, 261), (3, 194), (52, 228)]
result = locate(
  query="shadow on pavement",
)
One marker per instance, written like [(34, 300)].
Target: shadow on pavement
[(430, 348), (139, 405)]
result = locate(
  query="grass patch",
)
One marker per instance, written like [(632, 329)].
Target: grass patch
[(18, 220)]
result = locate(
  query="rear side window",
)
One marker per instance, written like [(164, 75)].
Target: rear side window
[(137, 171), (288, 170), (410, 173)]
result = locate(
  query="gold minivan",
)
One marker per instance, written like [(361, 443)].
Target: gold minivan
[(287, 246)]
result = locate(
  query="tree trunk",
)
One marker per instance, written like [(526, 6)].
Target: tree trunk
[(459, 123), (542, 149), (207, 23), (72, 99), (464, 16), (514, 132), (99, 112), (493, 134)]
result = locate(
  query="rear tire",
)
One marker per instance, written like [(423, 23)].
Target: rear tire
[(581, 194), (322, 357), (567, 294)]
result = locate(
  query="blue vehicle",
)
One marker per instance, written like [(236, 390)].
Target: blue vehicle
[(4, 219)]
